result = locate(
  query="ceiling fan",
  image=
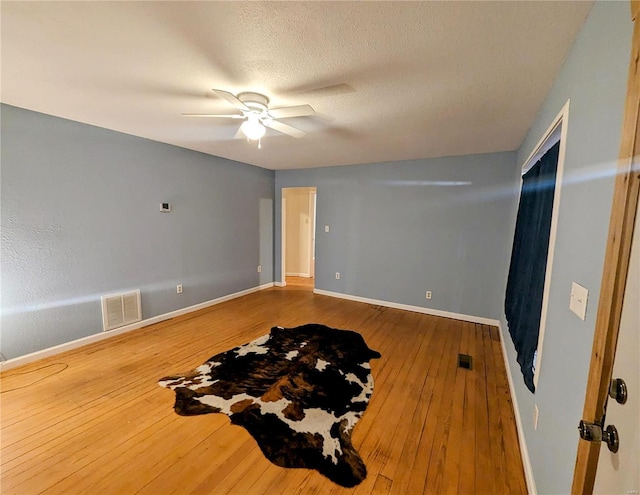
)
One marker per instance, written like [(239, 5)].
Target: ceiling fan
[(257, 116)]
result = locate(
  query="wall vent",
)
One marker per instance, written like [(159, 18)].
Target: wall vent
[(122, 309)]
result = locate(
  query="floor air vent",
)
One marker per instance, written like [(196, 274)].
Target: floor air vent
[(122, 309), (465, 361)]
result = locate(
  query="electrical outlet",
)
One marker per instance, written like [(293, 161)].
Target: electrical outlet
[(259, 268), (337, 275), (326, 228), (535, 416), (428, 294), (179, 288)]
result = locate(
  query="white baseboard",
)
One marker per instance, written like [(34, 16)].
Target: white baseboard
[(406, 307), (524, 451), (292, 274), (280, 284), (51, 351)]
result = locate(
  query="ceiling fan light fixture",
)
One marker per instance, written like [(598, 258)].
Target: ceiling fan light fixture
[(253, 128), (255, 108)]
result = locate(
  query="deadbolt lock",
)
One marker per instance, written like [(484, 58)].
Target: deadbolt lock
[(590, 432), (593, 433)]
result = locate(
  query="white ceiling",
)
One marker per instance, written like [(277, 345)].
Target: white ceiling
[(389, 80)]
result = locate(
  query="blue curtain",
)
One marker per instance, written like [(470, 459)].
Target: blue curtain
[(525, 285)]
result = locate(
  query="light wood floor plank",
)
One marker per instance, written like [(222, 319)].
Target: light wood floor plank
[(435, 471), (455, 439), (398, 470), (93, 420), (413, 480), (484, 482), (509, 433), (466, 482)]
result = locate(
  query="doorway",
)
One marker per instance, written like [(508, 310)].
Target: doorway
[(298, 236)]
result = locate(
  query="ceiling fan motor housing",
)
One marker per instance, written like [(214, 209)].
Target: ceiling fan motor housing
[(255, 101)]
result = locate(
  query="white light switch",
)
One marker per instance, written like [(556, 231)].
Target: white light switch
[(578, 300)]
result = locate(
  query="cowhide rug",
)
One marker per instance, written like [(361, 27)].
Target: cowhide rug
[(298, 391)]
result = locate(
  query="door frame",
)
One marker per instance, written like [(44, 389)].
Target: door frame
[(615, 271), (313, 195), (313, 192), (283, 241)]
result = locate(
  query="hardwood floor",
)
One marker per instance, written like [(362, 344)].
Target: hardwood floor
[(94, 420), (301, 282)]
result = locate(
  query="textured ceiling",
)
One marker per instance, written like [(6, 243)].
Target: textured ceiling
[(389, 80)]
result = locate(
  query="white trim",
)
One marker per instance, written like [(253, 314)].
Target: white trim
[(561, 121), (283, 238), (564, 112), (552, 136), (280, 284), (312, 230), (406, 307), (51, 351), (293, 274), (524, 451)]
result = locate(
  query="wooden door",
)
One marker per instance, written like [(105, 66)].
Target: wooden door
[(614, 279), (618, 472)]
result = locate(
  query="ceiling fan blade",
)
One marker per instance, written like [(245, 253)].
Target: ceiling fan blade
[(234, 116), (231, 99), (239, 134), (285, 129), (288, 112)]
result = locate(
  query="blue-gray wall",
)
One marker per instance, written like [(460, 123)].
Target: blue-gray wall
[(80, 218), (400, 229), (594, 77)]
